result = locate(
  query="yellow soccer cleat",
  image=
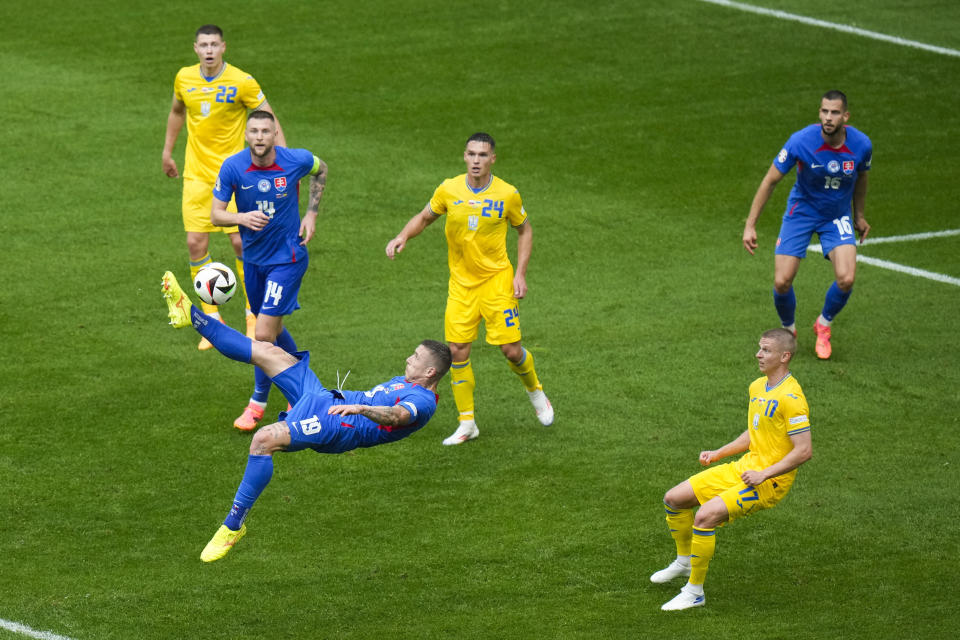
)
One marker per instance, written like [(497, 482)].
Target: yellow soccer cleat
[(221, 543), (177, 301), (251, 326)]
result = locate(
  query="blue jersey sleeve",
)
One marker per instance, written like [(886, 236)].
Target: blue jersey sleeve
[(420, 403), (787, 156), (226, 183)]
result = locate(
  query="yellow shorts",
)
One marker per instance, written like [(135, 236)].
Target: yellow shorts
[(197, 200), (492, 301), (741, 500)]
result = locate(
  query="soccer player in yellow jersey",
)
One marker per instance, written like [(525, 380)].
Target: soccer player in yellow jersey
[(212, 97), (478, 208), (777, 441)]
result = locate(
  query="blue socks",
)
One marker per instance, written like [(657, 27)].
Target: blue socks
[(786, 304), (835, 301), (227, 341), (255, 479)]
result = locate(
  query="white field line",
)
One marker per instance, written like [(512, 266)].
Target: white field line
[(783, 15), (23, 629), (902, 268)]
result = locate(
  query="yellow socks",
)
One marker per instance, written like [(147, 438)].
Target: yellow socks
[(195, 267), (680, 522), (526, 372), (463, 383), (701, 552)]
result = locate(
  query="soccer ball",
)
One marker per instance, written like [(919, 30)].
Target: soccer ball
[(215, 283)]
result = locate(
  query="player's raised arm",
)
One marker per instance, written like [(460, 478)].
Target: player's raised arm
[(741, 444), (764, 191), (178, 115), (412, 229)]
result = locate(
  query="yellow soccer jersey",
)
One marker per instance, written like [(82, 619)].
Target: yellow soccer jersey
[(773, 416), (476, 226), (216, 116)]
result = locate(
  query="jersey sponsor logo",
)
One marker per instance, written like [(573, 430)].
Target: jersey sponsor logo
[(815, 166), (782, 156), (280, 183), (848, 166), (264, 185), (191, 89), (833, 166), (456, 202), (246, 186), (798, 419)]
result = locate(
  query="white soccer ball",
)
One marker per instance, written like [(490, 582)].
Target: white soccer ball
[(215, 283)]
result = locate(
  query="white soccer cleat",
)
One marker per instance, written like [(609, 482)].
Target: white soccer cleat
[(466, 431), (675, 569), (542, 405), (686, 599)]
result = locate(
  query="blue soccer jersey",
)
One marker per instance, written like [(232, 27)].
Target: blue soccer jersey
[(420, 402), (311, 426), (275, 190), (825, 176)]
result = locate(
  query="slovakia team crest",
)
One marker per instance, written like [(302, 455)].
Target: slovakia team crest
[(848, 166), (281, 183)]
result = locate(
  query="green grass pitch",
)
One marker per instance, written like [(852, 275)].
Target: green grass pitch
[(637, 133)]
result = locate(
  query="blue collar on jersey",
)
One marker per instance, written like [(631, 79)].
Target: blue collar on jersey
[(483, 188), (214, 76), (769, 388)]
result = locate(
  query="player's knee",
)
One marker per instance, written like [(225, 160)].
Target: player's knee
[(845, 281), (263, 442), (512, 351), (711, 515), (782, 284), (678, 498)]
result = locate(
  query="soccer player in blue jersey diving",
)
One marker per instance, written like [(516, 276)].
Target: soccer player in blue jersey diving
[(325, 420), (833, 161)]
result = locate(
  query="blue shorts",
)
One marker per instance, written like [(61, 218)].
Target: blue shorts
[(273, 289), (310, 425), (798, 228)]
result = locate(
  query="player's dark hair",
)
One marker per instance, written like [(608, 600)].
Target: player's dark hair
[(209, 30), (483, 137), (260, 114), (784, 338), (835, 94), (442, 358)]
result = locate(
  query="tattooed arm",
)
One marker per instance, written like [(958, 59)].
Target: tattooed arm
[(308, 226), (395, 416)]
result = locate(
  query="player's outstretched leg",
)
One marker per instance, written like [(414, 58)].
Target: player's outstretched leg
[(221, 543), (177, 301)]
